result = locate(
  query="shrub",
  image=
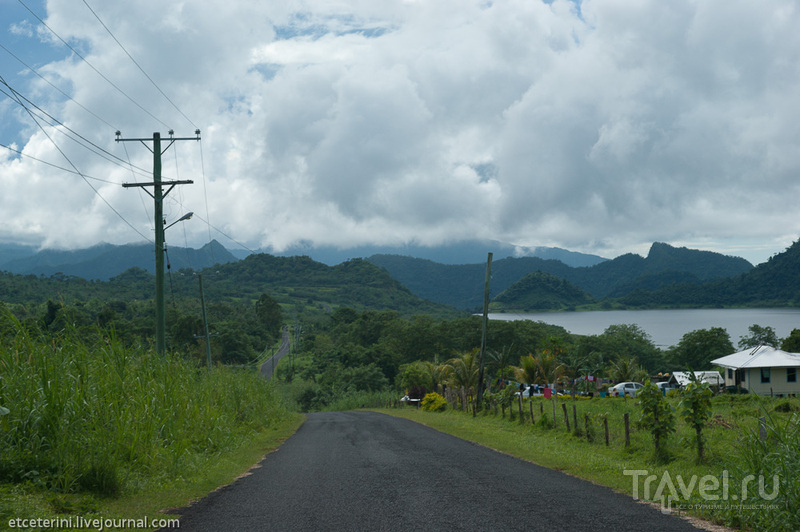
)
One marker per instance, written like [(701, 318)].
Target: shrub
[(657, 416), (433, 402)]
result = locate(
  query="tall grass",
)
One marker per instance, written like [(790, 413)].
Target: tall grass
[(104, 418), (776, 456)]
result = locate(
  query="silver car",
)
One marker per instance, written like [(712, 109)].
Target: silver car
[(625, 388)]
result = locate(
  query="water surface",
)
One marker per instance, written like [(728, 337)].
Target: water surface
[(667, 327)]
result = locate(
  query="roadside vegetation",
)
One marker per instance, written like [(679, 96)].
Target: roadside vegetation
[(92, 427)]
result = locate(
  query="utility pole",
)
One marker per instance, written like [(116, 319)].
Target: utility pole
[(205, 322), (158, 196), (485, 325)]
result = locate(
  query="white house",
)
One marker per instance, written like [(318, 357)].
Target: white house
[(682, 378), (763, 370)]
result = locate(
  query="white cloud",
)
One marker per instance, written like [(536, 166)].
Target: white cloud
[(600, 126)]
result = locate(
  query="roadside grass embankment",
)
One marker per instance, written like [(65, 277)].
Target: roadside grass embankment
[(717, 490), (105, 431)]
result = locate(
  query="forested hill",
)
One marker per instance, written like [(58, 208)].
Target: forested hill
[(355, 283), (462, 286), (299, 282), (775, 283), (540, 291)]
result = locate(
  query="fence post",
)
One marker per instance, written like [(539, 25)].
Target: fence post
[(575, 416), (566, 417), (605, 426), (533, 422), (627, 431), (586, 425)]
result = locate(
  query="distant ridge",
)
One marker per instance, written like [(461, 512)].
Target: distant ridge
[(461, 286), (465, 252), (104, 261)]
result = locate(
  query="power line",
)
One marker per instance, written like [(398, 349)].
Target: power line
[(18, 152), (137, 104), (18, 97), (54, 121), (54, 86), (139, 66)]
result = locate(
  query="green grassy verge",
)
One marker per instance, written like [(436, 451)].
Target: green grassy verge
[(729, 434), (149, 500), (103, 431)]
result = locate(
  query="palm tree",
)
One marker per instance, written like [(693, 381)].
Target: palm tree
[(501, 361), (625, 369), (462, 371), (540, 369)]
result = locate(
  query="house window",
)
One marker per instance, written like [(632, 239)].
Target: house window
[(791, 374), (764, 374), (730, 374)]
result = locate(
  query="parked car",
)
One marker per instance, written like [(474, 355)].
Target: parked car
[(666, 386), (626, 388)]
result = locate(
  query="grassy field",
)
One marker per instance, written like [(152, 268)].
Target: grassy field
[(734, 450), (105, 431)]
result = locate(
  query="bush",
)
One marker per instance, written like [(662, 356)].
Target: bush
[(433, 402)]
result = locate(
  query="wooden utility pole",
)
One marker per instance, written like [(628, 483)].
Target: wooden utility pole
[(158, 196), (485, 326), (205, 322)]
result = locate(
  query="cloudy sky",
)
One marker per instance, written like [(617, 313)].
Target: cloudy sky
[(598, 126)]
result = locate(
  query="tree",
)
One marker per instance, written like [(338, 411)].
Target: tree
[(543, 368), (792, 342), (462, 371), (416, 375), (698, 348), (695, 408), (270, 315), (626, 369), (631, 341), (657, 415), (759, 336), (501, 360)]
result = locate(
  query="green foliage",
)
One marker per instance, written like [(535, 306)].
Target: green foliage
[(776, 457), (698, 348), (544, 368), (695, 409), (541, 291), (626, 369), (628, 340), (270, 315), (94, 417), (433, 402), (657, 416), (416, 374), (759, 336), (791, 343), (462, 371)]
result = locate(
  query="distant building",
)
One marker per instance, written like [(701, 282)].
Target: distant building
[(682, 378), (763, 370)]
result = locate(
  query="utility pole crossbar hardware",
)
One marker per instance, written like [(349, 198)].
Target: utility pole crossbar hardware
[(158, 196)]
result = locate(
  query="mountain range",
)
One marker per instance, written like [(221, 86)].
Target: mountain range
[(668, 277), (104, 261), (461, 286)]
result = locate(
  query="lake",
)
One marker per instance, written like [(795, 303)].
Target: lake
[(667, 327)]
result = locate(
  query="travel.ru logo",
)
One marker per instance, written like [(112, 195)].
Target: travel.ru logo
[(713, 490)]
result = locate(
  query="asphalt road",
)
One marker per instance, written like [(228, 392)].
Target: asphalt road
[(355, 471), (269, 365)]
